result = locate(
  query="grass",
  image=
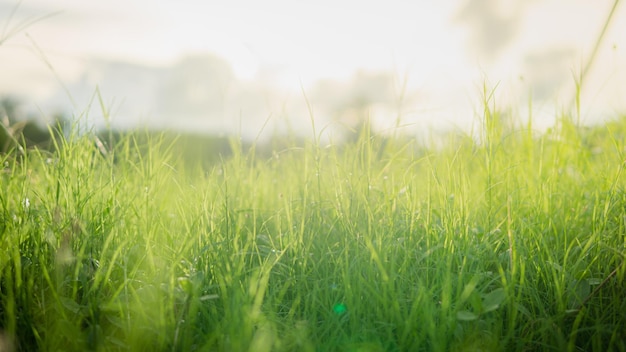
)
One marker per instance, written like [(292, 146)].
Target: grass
[(514, 241)]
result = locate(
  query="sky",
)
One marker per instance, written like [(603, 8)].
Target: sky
[(232, 66)]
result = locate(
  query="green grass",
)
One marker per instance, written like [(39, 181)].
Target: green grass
[(514, 242)]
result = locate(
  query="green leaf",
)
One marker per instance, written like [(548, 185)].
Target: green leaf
[(523, 310), (209, 297), (116, 321), (186, 285), (70, 304), (468, 289), (583, 289), (577, 291), (117, 342), (594, 281), (493, 300), (465, 315)]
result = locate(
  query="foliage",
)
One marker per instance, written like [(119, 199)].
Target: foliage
[(511, 242)]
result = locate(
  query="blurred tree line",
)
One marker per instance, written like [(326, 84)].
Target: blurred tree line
[(19, 130)]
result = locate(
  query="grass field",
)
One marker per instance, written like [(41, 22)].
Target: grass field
[(511, 241)]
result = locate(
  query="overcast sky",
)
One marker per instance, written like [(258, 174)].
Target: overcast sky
[(255, 57)]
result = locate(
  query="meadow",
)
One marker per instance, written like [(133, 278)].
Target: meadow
[(510, 239)]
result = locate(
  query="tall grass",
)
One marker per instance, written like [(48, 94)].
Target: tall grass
[(514, 241)]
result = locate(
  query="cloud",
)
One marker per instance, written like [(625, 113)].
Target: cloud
[(547, 71), (197, 85), (492, 25)]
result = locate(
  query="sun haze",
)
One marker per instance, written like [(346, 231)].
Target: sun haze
[(434, 56)]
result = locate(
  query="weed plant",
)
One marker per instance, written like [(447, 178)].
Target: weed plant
[(511, 241)]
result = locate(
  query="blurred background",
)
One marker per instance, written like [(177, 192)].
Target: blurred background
[(232, 67)]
